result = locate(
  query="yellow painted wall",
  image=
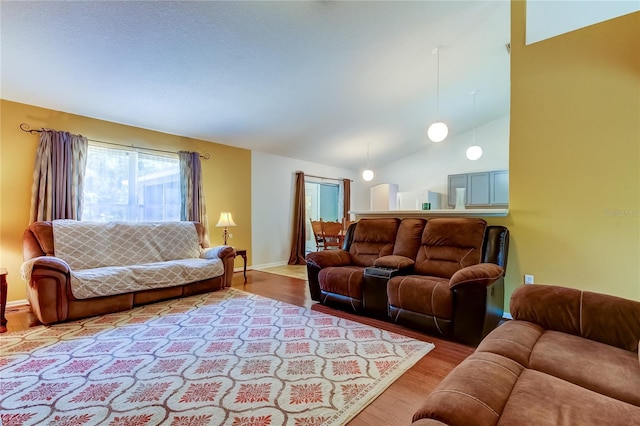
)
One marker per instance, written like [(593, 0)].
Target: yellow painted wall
[(227, 176), (575, 157)]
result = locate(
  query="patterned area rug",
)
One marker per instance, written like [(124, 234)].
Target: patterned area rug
[(222, 358)]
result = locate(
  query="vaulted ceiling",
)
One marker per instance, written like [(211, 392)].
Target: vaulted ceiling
[(314, 80)]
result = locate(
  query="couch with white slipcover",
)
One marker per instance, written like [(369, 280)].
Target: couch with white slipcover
[(76, 269)]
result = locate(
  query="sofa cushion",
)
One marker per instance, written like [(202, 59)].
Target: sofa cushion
[(589, 364), (111, 280), (421, 294), (473, 393), (372, 239), (543, 400), (448, 245), (409, 237), (343, 280)]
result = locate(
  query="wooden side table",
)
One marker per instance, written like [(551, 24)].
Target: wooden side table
[(3, 299), (243, 253)]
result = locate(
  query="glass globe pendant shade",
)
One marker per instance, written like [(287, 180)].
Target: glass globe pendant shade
[(438, 132), (474, 152), (367, 175)]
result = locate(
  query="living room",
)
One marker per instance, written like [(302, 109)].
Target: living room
[(573, 146), (559, 187)]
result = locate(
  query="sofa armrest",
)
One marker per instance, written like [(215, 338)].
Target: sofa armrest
[(478, 297), (603, 318), (326, 258), (45, 262), (228, 255), (47, 288), (218, 252), (482, 274)]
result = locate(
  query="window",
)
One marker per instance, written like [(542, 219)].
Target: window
[(130, 186)]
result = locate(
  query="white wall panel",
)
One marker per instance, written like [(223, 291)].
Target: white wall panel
[(272, 191), (428, 169)]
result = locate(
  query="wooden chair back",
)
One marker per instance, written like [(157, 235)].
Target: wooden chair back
[(332, 234), (316, 227)]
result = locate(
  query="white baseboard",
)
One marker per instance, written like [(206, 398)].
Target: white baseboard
[(268, 265), (16, 303)]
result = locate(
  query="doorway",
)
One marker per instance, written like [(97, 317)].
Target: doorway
[(322, 201)]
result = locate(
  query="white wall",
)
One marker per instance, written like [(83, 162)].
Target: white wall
[(546, 19), (272, 183), (272, 191), (428, 169)]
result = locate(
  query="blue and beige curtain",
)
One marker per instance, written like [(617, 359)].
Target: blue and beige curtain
[(58, 176), (192, 205)]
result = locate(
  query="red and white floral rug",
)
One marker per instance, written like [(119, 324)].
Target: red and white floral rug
[(222, 358)]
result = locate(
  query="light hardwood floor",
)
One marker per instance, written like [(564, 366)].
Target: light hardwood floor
[(393, 407)]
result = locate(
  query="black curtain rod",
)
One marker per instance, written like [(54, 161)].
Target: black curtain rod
[(26, 128), (328, 178)]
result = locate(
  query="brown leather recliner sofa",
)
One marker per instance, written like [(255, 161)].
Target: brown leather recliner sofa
[(49, 277), (569, 357), (443, 276)]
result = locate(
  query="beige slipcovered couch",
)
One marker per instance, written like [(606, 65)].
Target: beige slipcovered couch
[(79, 269), (569, 357)]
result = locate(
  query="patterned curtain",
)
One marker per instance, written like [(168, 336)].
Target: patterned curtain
[(192, 204), (58, 176), (298, 225)]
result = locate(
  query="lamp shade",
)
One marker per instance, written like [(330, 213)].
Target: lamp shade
[(474, 152), (226, 219), (438, 131), (367, 175)]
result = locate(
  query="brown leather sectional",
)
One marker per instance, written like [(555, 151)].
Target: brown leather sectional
[(443, 276), (569, 357), (49, 292)]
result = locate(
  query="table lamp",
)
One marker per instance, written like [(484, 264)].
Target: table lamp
[(225, 220)]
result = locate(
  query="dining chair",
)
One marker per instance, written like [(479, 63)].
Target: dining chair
[(316, 227), (332, 234)]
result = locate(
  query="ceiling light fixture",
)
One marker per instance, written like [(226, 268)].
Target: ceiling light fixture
[(438, 131), (367, 174), (474, 152)]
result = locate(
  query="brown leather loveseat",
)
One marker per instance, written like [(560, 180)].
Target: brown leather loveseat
[(569, 357), (443, 276)]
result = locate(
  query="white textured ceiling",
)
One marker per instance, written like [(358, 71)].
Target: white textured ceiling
[(313, 80)]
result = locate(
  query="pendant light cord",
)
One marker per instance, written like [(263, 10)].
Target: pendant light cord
[(474, 116), (368, 162), (438, 81)]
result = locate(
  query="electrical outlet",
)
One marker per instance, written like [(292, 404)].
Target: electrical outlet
[(528, 279)]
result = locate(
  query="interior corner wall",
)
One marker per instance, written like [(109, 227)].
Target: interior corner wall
[(575, 156), (227, 175), (429, 168), (273, 187)]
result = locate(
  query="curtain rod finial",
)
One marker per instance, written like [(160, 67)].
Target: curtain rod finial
[(26, 128)]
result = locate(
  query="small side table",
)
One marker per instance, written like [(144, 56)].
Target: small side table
[(243, 254), (3, 299)]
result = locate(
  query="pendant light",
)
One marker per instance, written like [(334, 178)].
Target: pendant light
[(368, 174), (438, 131), (474, 152)]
